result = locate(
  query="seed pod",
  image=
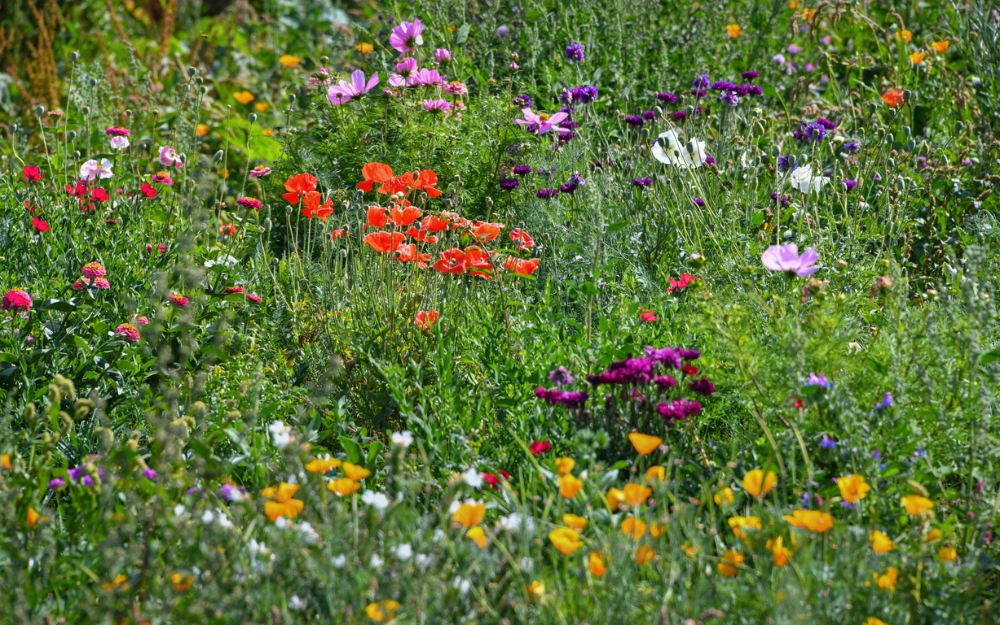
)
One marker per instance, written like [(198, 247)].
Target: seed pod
[(86, 110), (906, 131), (291, 96), (192, 71), (39, 111), (218, 156), (92, 82), (73, 56), (71, 135), (252, 117), (13, 127)]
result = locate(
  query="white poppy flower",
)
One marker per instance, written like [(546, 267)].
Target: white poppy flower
[(669, 149)]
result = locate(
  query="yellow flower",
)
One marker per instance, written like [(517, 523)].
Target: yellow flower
[(575, 522), (596, 564), (117, 582), (565, 540), (319, 465), (34, 518), (758, 484), (477, 535), (261, 106), (793, 4), (880, 542), (615, 497), (726, 568), (807, 13), (564, 465), (180, 582), (354, 472), (940, 46), (655, 529), (656, 473), (288, 60), (644, 554), (634, 527), (782, 555), (904, 36), (452, 28), (643, 443), (915, 504), (283, 504), (733, 30), (382, 611), (469, 514), (201, 130), (724, 496), (343, 486), (364, 47), (947, 554), (740, 522), (873, 621), (853, 487), (888, 580), (535, 589), (933, 535), (811, 519), (689, 550), (636, 494), (917, 57), (243, 97), (5, 461), (268, 132), (569, 486)]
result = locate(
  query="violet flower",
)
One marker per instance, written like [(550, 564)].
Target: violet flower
[(344, 92), (407, 36), (786, 258)]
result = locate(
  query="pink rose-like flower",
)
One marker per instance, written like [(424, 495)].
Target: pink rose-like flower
[(116, 131), (129, 331), (233, 289), (407, 36), (179, 300), (456, 88), (786, 258), (254, 298), (259, 171), (79, 286), (102, 283), (17, 300), (93, 270), (249, 202)]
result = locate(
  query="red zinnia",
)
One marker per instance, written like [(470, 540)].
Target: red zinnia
[(17, 300)]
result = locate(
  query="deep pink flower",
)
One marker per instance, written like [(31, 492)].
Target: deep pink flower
[(99, 195), (233, 289), (129, 331), (407, 36), (93, 270), (442, 56), (32, 173), (249, 202), (39, 225), (425, 77), (254, 298), (543, 122), (148, 190), (116, 131), (17, 300), (179, 300), (344, 92), (102, 283), (259, 171), (436, 106), (540, 447), (143, 321)]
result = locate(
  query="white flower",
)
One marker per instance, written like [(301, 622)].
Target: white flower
[(668, 149), (402, 439), (281, 434), (473, 477), (376, 561), (178, 510), (462, 585), (377, 500), (296, 604), (223, 520), (339, 562), (515, 521), (119, 143), (225, 259), (91, 170), (281, 523), (802, 179), (404, 552), (438, 535), (208, 516), (309, 535), (526, 565), (422, 560)]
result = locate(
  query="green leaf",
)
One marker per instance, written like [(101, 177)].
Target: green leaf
[(352, 449), (463, 33), (373, 452), (991, 356), (877, 366), (615, 227), (758, 218), (267, 148)]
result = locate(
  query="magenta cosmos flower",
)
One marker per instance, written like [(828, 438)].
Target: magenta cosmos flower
[(436, 106), (543, 122), (406, 37), (786, 258), (344, 92)]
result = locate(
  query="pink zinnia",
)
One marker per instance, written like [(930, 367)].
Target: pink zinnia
[(93, 270), (102, 283), (234, 289), (254, 298), (116, 131), (163, 178), (407, 36), (456, 88), (129, 331), (79, 286), (249, 202), (259, 171), (344, 92), (143, 321), (179, 299), (17, 300)]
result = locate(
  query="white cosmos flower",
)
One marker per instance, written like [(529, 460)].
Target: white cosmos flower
[(376, 500), (803, 180), (669, 149), (402, 439)]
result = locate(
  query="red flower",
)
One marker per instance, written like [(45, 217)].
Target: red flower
[(32, 173), (179, 300), (421, 235), (313, 209), (228, 230), (77, 191), (647, 315), (408, 253), (384, 241), (17, 300), (336, 234), (434, 224), (540, 447), (374, 172), (685, 280), (426, 318), (893, 98), (426, 181), (478, 261), (491, 479), (404, 215), (689, 369), (484, 231), (297, 186), (376, 217), (148, 190), (99, 195), (452, 261), (522, 267), (400, 184), (521, 239), (505, 475), (39, 225)]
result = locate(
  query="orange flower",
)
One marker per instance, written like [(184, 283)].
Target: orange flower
[(615, 497), (940, 46), (947, 554), (485, 231), (880, 542), (374, 172), (811, 519), (636, 494), (383, 242), (727, 567), (888, 580), (343, 486), (853, 488), (739, 523), (434, 223), (521, 267), (596, 565), (376, 217), (404, 216), (893, 98), (425, 181), (655, 529), (228, 229), (634, 527), (904, 36), (288, 60), (297, 186), (201, 130), (426, 318), (733, 30), (933, 535), (782, 555), (34, 518), (564, 466), (261, 106), (758, 484), (364, 47), (917, 58), (643, 443), (724, 496), (313, 209), (421, 235), (656, 473), (534, 590), (915, 504), (320, 465), (243, 97), (181, 582), (452, 261), (5, 461), (355, 472), (469, 514), (565, 540), (569, 486), (644, 554), (399, 184), (283, 504), (382, 611), (576, 523), (477, 535), (408, 253)]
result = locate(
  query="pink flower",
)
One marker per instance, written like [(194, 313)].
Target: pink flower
[(93, 270), (543, 121), (647, 316), (129, 331), (119, 143), (456, 88), (442, 56), (540, 447), (161, 246), (143, 321), (17, 300), (786, 258), (344, 92), (116, 131), (99, 195), (169, 156), (254, 298), (428, 77), (179, 300), (163, 177), (79, 286), (92, 170), (259, 171), (406, 37), (233, 289), (249, 202), (102, 283), (436, 106)]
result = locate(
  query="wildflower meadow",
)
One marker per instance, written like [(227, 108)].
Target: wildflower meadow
[(499, 312)]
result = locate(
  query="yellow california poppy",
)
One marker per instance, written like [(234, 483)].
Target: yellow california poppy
[(887, 581), (853, 487), (940, 46), (813, 520), (915, 504), (724, 496), (782, 555), (201, 130), (575, 522), (615, 497), (382, 611), (727, 567), (565, 540), (758, 484), (564, 465), (634, 527), (596, 564), (643, 443), (364, 47), (321, 465), (477, 535), (904, 36), (569, 486), (880, 542), (469, 514), (733, 30), (636, 494), (343, 486), (355, 472), (644, 554), (261, 106), (181, 582), (917, 57), (947, 554), (289, 60), (740, 523), (656, 473)]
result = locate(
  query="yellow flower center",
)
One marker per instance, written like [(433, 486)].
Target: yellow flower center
[(543, 117)]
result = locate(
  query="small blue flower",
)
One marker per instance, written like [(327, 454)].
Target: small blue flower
[(827, 443)]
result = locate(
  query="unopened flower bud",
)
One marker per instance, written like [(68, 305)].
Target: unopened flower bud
[(218, 156), (73, 56), (252, 117), (291, 96), (39, 111)]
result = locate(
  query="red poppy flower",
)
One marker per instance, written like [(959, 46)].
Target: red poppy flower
[(408, 253), (400, 184), (297, 186), (31, 207), (689, 369), (521, 239), (426, 318), (505, 475), (313, 209), (336, 234), (540, 447), (484, 231), (228, 230), (647, 315), (425, 181), (32, 173), (383, 242), (457, 221), (452, 261), (685, 280), (148, 190), (491, 479), (405, 215), (421, 235), (434, 223), (99, 195), (522, 267), (376, 217), (374, 172), (893, 98), (39, 225), (478, 261), (76, 191)]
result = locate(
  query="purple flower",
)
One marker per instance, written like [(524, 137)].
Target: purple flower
[(786, 258), (679, 116), (688, 354), (794, 49), (827, 443), (649, 116), (544, 122), (700, 81), (509, 184), (852, 147), (665, 381), (407, 36), (344, 92), (826, 123), (666, 356), (149, 473), (709, 160), (523, 100), (815, 132), (702, 386), (574, 52), (805, 500), (642, 182), (750, 75), (436, 106), (87, 480), (818, 380), (502, 31), (698, 201), (56, 484), (779, 59), (698, 93), (786, 162), (633, 120), (885, 403), (587, 94), (667, 98), (522, 170), (560, 376), (547, 194), (722, 85), (849, 184), (729, 98), (442, 56), (876, 454)]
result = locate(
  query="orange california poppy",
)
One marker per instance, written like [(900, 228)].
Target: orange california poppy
[(893, 98), (421, 235), (426, 181), (940, 46), (644, 443), (485, 231), (376, 217), (297, 186), (426, 318), (904, 36), (521, 267), (312, 207), (384, 241), (434, 223), (733, 30), (917, 58), (452, 261), (404, 215), (374, 172)]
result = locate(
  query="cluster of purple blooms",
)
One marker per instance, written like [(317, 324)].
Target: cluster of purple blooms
[(575, 182), (666, 98), (642, 182), (818, 380), (849, 185), (583, 95), (787, 162), (509, 184), (547, 194), (574, 52), (523, 101), (814, 131), (783, 199), (522, 170), (731, 93), (852, 147)]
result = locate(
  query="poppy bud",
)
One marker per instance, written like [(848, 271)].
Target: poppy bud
[(76, 154), (911, 144), (880, 133), (13, 127), (900, 184), (218, 156), (959, 126), (267, 224), (872, 108), (192, 71), (86, 110), (775, 151), (689, 111), (204, 90), (659, 111), (803, 159), (199, 80), (252, 117), (892, 163), (92, 82), (288, 209), (291, 96), (73, 56), (39, 111), (229, 107), (645, 133), (906, 131), (907, 95), (489, 202)]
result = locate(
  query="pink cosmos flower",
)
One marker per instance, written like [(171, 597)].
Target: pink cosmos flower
[(406, 37), (119, 143), (442, 56), (129, 331), (543, 122), (436, 106), (169, 156), (428, 77), (92, 170), (344, 92), (404, 73), (17, 300), (786, 258)]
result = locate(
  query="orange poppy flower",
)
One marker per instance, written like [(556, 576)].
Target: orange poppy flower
[(376, 217), (283, 504), (297, 186), (408, 253), (904, 36), (398, 184), (484, 231), (644, 554), (426, 318), (521, 239), (940, 46), (336, 234), (433, 223), (469, 514), (457, 221), (733, 30), (644, 443), (421, 235), (228, 230), (917, 58), (633, 527), (597, 566), (425, 181), (384, 241), (313, 209), (405, 215), (374, 172), (452, 261), (893, 98), (522, 267)]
